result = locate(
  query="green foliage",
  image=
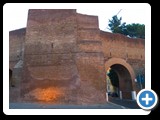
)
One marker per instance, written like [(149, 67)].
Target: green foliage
[(115, 25), (132, 30), (136, 30), (114, 78)]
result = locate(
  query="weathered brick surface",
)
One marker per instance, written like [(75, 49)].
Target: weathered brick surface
[(87, 22), (16, 42), (126, 47), (66, 57), (16, 49)]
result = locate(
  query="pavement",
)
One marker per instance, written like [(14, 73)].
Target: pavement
[(107, 105), (130, 104), (113, 103)]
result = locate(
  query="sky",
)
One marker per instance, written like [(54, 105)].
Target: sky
[(130, 12)]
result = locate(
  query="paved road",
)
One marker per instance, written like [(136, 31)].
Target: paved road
[(114, 103), (108, 105), (131, 104)]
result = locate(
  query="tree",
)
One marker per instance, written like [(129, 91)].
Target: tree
[(115, 24), (114, 78), (132, 30), (136, 30)]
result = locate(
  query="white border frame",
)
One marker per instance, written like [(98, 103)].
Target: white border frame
[(20, 6)]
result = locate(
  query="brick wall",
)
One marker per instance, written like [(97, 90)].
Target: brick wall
[(16, 43), (65, 54)]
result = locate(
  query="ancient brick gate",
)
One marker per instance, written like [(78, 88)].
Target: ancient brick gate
[(62, 57)]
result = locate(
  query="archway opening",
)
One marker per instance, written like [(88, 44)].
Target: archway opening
[(119, 82), (113, 83)]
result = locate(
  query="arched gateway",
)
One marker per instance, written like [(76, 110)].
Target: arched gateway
[(123, 84)]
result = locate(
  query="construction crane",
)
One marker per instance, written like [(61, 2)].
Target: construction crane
[(115, 15), (118, 12)]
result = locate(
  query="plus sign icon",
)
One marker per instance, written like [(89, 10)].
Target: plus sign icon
[(147, 99)]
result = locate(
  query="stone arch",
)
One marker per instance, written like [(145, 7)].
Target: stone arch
[(126, 77)]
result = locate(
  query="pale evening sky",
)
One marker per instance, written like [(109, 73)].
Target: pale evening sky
[(130, 12)]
